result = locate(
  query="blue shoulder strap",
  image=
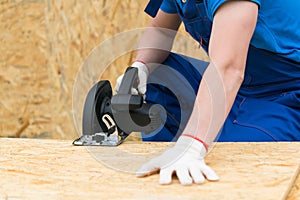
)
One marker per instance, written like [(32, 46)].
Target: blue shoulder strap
[(153, 7)]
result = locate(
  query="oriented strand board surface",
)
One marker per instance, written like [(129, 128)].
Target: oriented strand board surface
[(25, 96), (295, 192), (50, 169), (43, 44)]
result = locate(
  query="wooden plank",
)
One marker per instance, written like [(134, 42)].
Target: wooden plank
[(51, 169)]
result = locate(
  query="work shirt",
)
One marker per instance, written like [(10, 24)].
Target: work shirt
[(267, 106), (277, 29), (274, 51)]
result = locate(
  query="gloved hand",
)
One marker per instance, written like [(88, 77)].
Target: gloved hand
[(186, 158), (143, 74)]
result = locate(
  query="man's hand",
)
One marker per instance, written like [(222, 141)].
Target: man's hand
[(186, 158), (143, 74)]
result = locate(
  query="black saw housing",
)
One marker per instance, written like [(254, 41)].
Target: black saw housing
[(108, 120)]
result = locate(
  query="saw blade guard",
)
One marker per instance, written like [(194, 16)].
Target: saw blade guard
[(96, 105), (98, 126)]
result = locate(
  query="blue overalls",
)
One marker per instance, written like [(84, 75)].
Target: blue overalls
[(267, 107)]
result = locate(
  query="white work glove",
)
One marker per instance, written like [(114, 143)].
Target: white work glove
[(186, 158), (143, 74)]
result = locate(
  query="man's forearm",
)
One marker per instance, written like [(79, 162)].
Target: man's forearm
[(155, 45), (228, 50), (215, 97), (157, 40)]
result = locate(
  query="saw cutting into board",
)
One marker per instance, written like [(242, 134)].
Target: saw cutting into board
[(109, 119)]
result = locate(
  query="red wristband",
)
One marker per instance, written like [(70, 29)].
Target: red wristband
[(191, 136), (140, 61)]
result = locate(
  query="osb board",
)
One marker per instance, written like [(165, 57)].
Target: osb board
[(295, 192), (24, 83), (51, 169), (43, 44)]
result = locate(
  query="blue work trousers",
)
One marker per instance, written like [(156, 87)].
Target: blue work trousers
[(261, 112)]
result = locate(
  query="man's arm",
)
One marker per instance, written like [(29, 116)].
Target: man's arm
[(154, 47), (233, 26), (157, 41)]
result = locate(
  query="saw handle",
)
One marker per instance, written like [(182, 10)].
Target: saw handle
[(130, 80), (124, 100)]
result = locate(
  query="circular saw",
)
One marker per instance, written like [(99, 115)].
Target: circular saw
[(108, 119)]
